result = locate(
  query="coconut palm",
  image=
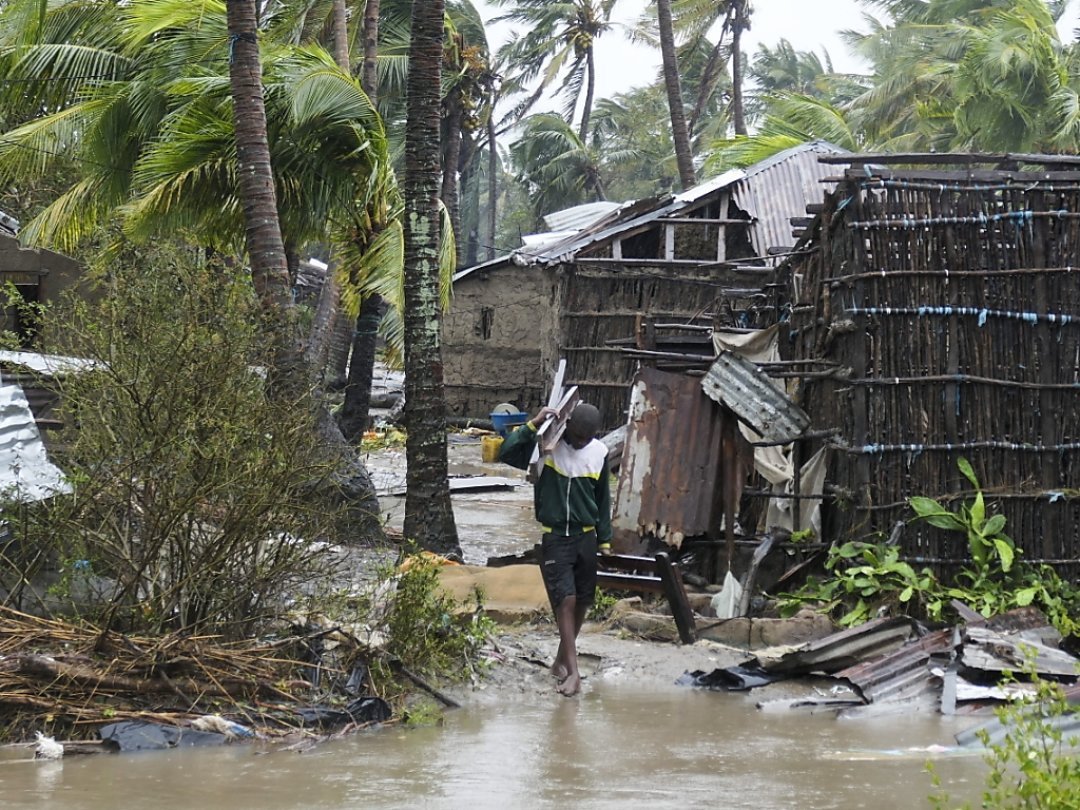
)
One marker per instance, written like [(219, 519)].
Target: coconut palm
[(559, 41), (556, 166), (680, 133), (429, 517)]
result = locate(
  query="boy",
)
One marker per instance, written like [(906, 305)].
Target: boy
[(572, 502)]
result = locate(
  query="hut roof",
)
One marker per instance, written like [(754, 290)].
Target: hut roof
[(771, 192)]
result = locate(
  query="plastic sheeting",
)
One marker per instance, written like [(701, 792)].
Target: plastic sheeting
[(26, 474)]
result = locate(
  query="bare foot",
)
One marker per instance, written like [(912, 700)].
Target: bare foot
[(559, 670), (571, 686)]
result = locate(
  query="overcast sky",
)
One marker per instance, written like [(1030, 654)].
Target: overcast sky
[(807, 24)]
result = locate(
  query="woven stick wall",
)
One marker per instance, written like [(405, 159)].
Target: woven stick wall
[(950, 302)]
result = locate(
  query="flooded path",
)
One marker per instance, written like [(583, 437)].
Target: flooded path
[(615, 747)]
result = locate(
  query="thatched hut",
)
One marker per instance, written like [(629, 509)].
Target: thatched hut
[(942, 306)]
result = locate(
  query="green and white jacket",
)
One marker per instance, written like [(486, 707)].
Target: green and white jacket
[(573, 494)]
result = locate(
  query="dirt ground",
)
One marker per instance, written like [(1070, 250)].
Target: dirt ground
[(519, 658)]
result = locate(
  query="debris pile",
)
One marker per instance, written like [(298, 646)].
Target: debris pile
[(138, 693), (891, 665)]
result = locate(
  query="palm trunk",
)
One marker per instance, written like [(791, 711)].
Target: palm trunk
[(370, 78), (590, 91), (738, 114), (341, 35), (328, 345), (356, 409), (493, 182), (684, 156), (429, 517), (266, 252), (451, 158)]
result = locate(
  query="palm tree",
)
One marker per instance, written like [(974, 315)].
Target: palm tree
[(266, 250), (158, 148), (559, 41), (680, 133), (557, 167), (695, 19), (429, 517)]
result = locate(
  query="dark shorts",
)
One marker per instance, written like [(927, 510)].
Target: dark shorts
[(568, 565)]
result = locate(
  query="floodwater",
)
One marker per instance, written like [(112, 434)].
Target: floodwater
[(615, 746)]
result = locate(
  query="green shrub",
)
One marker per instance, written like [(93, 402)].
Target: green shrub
[(192, 487)]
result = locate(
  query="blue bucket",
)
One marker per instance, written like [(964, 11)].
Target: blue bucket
[(505, 422)]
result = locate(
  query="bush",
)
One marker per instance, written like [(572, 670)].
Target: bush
[(192, 487)]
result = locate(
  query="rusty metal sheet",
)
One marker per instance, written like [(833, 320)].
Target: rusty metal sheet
[(740, 385), (671, 463)]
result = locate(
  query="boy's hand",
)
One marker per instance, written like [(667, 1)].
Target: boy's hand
[(542, 416)]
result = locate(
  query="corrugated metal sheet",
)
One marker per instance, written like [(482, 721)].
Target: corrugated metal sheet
[(844, 649), (671, 459), (740, 385), (779, 188), (25, 472), (772, 192), (48, 364), (902, 674), (580, 216)]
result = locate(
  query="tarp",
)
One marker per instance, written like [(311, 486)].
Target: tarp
[(26, 474)]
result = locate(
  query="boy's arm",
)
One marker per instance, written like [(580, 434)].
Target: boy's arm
[(517, 448)]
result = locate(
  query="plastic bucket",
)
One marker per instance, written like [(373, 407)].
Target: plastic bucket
[(489, 448), (505, 422)]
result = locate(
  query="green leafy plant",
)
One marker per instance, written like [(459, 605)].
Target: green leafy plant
[(988, 545), (866, 580), (193, 501), (427, 630)]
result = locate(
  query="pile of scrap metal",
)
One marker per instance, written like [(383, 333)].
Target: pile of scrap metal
[(891, 665)]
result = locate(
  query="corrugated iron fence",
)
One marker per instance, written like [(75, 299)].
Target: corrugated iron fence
[(950, 303)]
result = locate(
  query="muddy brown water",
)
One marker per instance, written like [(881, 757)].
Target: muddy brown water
[(618, 745), (614, 747)]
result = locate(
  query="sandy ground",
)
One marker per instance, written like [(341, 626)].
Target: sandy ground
[(520, 657)]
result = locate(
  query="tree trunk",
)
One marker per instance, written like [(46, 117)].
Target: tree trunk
[(738, 24), (429, 517), (493, 182), (684, 155), (370, 78), (288, 377), (328, 344), (266, 251), (341, 35), (590, 91), (451, 159), (355, 411)]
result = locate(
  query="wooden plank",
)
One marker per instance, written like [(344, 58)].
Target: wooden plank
[(552, 430), (676, 596)]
